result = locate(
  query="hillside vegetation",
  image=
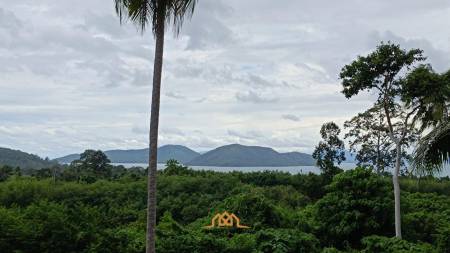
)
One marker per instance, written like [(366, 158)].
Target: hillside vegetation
[(236, 155), (178, 152), (17, 158), (102, 208)]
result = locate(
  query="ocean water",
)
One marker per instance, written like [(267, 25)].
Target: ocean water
[(290, 169)]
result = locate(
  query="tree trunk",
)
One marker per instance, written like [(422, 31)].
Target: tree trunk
[(153, 150), (398, 221)]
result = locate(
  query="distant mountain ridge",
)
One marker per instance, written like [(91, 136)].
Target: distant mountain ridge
[(17, 158), (233, 155), (236, 155), (178, 152)]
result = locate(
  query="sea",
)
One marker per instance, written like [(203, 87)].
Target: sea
[(289, 169)]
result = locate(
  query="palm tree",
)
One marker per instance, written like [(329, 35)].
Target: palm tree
[(433, 151), (155, 13)]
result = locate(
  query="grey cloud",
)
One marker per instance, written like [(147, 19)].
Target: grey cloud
[(141, 78), (207, 28), (200, 100), (257, 81), (253, 97), (290, 117), (172, 131), (139, 130), (439, 59), (274, 60), (175, 95), (65, 52), (250, 135), (107, 24), (9, 21), (224, 74)]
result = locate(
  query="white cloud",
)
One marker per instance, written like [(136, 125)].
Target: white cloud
[(71, 77)]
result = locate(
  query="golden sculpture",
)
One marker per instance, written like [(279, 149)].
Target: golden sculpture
[(225, 219)]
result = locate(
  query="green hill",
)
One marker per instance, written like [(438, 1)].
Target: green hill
[(17, 158), (177, 152), (236, 155)]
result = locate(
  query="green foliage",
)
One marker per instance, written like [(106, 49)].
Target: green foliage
[(426, 216), (330, 150), (155, 13), (431, 91), (394, 245), (378, 69), (258, 210), (242, 243), (91, 166), (369, 138), (358, 203), (427, 185), (5, 172), (433, 150), (284, 213), (331, 250), (286, 241), (443, 240), (17, 158), (175, 168)]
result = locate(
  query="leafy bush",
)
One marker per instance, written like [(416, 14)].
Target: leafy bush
[(358, 203), (394, 245), (256, 208), (286, 213), (425, 215), (286, 241)]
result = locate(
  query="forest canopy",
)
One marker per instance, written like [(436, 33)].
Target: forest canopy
[(79, 209)]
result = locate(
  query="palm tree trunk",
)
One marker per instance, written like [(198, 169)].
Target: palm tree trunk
[(153, 150), (398, 221)]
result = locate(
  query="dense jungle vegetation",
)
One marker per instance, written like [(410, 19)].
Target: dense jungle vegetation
[(97, 207)]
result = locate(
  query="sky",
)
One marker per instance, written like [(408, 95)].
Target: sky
[(254, 72)]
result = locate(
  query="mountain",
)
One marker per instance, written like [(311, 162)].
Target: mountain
[(17, 158), (180, 153), (68, 158), (236, 155)]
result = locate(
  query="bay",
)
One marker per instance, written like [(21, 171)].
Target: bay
[(290, 169)]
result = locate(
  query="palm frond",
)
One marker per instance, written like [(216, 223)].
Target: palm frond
[(179, 11), (121, 7), (148, 12), (433, 151)]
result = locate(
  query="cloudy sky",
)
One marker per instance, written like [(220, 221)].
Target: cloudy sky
[(256, 72)]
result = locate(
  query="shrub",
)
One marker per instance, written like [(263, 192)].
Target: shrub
[(242, 243), (286, 241), (394, 245), (358, 203), (425, 215), (254, 209)]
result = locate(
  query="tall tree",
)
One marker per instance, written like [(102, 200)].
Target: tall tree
[(368, 136), (330, 150), (155, 13), (381, 72), (92, 165)]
